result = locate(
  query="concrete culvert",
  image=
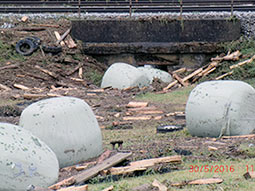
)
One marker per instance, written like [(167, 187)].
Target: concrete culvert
[(218, 108), (152, 73), (25, 160), (67, 125), (122, 75)]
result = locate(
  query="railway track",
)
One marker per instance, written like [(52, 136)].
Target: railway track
[(124, 6)]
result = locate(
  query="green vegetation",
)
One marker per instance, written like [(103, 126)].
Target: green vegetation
[(179, 96), (94, 76), (8, 53)]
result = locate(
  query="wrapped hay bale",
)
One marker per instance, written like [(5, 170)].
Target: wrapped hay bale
[(121, 76), (25, 160), (67, 125), (219, 108), (152, 73)]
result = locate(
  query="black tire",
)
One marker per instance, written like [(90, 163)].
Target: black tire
[(35, 40), (52, 49), (25, 47)]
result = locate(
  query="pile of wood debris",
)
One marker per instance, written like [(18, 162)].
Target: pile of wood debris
[(208, 69)]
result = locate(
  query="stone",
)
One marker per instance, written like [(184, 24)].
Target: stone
[(25, 160), (122, 75), (152, 73), (219, 108), (67, 125)]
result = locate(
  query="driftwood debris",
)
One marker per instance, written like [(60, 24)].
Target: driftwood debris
[(4, 87), (136, 118), (75, 188), (243, 63), (70, 42), (63, 183), (110, 188), (61, 38), (238, 136), (22, 87), (143, 165), (58, 37), (224, 75)]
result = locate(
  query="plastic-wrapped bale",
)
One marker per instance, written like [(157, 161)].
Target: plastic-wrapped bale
[(219, 108), (152, 73), (25, 160), (121, 76), (67, 125)]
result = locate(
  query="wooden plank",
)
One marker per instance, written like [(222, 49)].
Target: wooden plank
[(135, 104), (61, 38), (110, 162), (75, 188), (58, 37), (243, 63), (224, 75), (206, 181), (4, 87), (137, 109), (144, 164), (137, 118), (70, 42), (150, 112), (65, 182), (170, 85), (34, 96), (24, 19), (109, 188), (22, 87), (46, 71), (181, 70), (238, 136), (180, 80), (159, 185)]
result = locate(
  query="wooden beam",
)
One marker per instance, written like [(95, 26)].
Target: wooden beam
[(89, 173), (135, 104), (144, 164)]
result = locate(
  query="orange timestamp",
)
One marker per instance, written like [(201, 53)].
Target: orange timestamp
[(218, 168)]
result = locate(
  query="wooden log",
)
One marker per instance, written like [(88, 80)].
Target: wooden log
[(74, 70), (31, 29), (4, 87), (109, 188), (210, 71), (63, 183), (242, 63), (238, 136), (180, 80), (22, 87), (75, 188), (89, 173), (144, 164), (61, 38), (233, 56), (137, 104), (80, 73), (249, 175), (159, 185), (137, 118), (46, 71), (24, 19), (211, 148), (77, 79), (58, 37)]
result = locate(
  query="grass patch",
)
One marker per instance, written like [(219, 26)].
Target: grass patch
[(94, 76), (8, 53), (179, 96)]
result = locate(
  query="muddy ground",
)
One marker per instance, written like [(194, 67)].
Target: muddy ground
[(108, 105)]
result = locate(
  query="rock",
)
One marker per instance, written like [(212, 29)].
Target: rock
[(152, 73), (67, 125), (218, 108), (25, 159), (122, 75)]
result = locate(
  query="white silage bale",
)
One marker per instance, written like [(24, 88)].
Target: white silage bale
[(25, 160), (67, 125), (218, 108), (152, 73), (122, 75)]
